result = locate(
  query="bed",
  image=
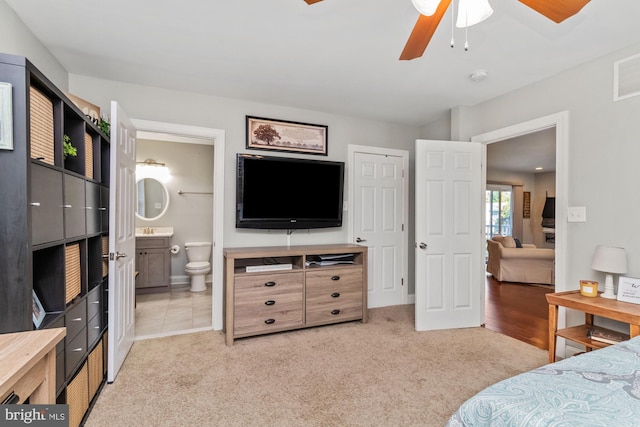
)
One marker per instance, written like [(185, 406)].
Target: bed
[(598, 388)]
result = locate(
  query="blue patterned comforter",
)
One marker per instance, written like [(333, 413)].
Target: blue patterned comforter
[(598, 388)]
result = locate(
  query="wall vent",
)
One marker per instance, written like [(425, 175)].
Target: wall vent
[(626, 78)]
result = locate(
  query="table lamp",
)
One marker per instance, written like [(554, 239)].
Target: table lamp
[(609, 260)]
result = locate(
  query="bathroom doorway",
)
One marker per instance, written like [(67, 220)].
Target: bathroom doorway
[(193, 158)]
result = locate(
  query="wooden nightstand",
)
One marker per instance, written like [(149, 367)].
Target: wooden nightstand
[(591, 306)]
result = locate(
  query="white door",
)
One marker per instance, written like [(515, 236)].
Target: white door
[(121, 240), (449, 289), (378, 224)]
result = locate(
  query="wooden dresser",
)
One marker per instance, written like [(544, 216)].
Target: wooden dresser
[(294, 287)]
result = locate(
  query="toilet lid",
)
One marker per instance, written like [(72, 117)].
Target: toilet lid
[(198, 264)]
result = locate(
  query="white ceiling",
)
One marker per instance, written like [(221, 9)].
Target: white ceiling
[(525, 153), (338, 56)]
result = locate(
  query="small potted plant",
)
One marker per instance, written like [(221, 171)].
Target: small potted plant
[(67, 147)]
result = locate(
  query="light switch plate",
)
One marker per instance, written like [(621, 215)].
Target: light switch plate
[(577, 214), (6, 117)]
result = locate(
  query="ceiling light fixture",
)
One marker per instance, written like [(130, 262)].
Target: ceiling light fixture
[(426, 7), (470, 12)]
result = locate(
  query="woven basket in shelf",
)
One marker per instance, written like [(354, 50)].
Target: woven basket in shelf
[(95, 370), (72, 272), (78, 397), (105, 251), (88, 156), (41, 127)]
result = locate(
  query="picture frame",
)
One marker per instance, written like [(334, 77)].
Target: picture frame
[(526, 204), (6, 116), (38, 310), (287, 136), (629, 289)]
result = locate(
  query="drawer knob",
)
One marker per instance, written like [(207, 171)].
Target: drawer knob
[(270, 284), (335, 294), (334, 312), (270, 302), (270, 321), (335, 277)]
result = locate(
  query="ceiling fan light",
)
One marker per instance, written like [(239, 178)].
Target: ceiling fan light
[(471, 12), (426, 7)]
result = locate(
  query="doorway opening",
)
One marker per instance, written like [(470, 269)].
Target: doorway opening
[(209, 302), (559, 122)]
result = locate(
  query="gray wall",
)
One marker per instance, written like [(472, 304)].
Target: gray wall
[(17, 39)]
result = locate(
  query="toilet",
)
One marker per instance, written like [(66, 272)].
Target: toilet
[(198, 265)]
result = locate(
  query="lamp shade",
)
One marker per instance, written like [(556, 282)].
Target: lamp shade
[(609, 259), (426, 7), (471, 12)]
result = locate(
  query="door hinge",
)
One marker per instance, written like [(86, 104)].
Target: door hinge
[(402, 281), (402, 227)]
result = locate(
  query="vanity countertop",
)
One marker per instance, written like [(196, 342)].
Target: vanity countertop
[(154, 231)]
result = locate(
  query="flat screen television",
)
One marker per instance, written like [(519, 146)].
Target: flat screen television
[(288, 193)]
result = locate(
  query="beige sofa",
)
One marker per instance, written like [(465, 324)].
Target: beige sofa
[(528, 264)]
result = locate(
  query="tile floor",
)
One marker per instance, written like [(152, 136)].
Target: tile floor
[(169, 312)]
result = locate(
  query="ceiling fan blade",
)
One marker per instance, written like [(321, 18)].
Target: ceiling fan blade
[(556, 10), (312, 1), (422, 32)]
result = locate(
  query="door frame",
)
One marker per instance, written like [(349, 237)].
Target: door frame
[(559, 121), (215, 137), (404, 154)]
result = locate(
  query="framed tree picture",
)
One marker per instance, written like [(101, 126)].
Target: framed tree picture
[(38, 310), (282, 135)]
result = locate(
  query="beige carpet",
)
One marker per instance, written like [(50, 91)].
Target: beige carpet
[(382, 373)]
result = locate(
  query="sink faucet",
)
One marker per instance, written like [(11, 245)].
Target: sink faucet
[(147, 230)]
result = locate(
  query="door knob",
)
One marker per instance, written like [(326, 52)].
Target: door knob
[(119, 255), (423, 245), (359, 240)]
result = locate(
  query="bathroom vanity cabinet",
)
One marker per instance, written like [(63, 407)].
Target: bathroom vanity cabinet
[(54, 228), (280, 288), (153, 262)]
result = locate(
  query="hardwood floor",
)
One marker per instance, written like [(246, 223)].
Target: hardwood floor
[(518, 310)]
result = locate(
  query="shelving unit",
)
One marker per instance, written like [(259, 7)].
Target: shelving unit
[(591, 306), (53, 226), (302, 294)]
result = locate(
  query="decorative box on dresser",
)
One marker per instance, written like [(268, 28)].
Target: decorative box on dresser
[(54, 229), (295, 289)]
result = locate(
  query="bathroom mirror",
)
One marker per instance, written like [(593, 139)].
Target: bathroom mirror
[(152, 199)]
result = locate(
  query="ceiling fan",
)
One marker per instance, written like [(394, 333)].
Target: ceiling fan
[(426, 26)]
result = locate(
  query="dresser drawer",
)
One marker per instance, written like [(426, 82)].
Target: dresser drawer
[(268, 303), (75, 351), (75, 320), (94, 299), (93, 330), (333, 295)]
